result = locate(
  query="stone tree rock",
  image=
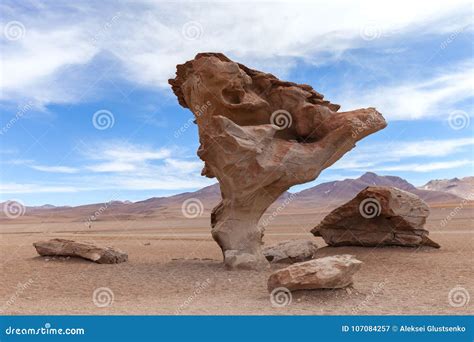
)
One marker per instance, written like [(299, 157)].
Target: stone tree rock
[(70, 248), (330, 272), (377, 216), (259, 136)]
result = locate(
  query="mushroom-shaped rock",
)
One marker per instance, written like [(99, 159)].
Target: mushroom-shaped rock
[(377, 216), (331, 272), (290, 251), (259, 136), (70, 248)]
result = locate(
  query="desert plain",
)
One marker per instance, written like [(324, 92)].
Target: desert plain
[(175, 267)]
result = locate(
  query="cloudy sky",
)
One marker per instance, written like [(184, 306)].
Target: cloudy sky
[(87, 114)]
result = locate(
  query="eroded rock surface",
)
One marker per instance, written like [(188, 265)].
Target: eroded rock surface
[(330, 272), (70, 248), (290, 251), (377, 216), (259, 136)]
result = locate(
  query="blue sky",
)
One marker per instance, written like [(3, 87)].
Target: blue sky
[(64, 62)]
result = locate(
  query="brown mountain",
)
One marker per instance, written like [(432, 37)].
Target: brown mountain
[(462, 187), (325, 195), (337, 192)]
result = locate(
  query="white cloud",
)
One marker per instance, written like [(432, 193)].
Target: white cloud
[(183, 165), (160, 182), (55, 169), (43, 168), (147, 39), (425, 167), (409, 100), (431, 148), (120, 165), (112, 167), (119, 156), (377, 156), (132, 153), (31, 66), (29, 188)]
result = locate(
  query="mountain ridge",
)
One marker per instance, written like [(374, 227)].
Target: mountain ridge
[(462, 187), (322, 196)]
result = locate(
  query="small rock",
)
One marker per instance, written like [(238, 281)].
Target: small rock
[(290, 251), (235, 259), (70, 248), (324, 273)]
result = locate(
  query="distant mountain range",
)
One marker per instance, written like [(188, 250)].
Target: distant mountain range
[(462, 187), (324, 196), (334, 193)]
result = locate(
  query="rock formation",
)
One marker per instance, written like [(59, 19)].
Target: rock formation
[(259, 136), (69, 248), (330, 272), (377, 216), (290, 251)]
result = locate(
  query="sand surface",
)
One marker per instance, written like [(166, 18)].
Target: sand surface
[(175, 267)]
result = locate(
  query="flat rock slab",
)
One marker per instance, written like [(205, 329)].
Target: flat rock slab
[(378, 216), (290, 251), (330, 272), (63, 247)]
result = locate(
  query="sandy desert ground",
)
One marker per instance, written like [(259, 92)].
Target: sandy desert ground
[(175, 267)]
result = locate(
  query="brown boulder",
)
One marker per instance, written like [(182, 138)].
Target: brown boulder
[(330, 272), (69, 248), (377, 216), (259, 136), (290, 251)]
